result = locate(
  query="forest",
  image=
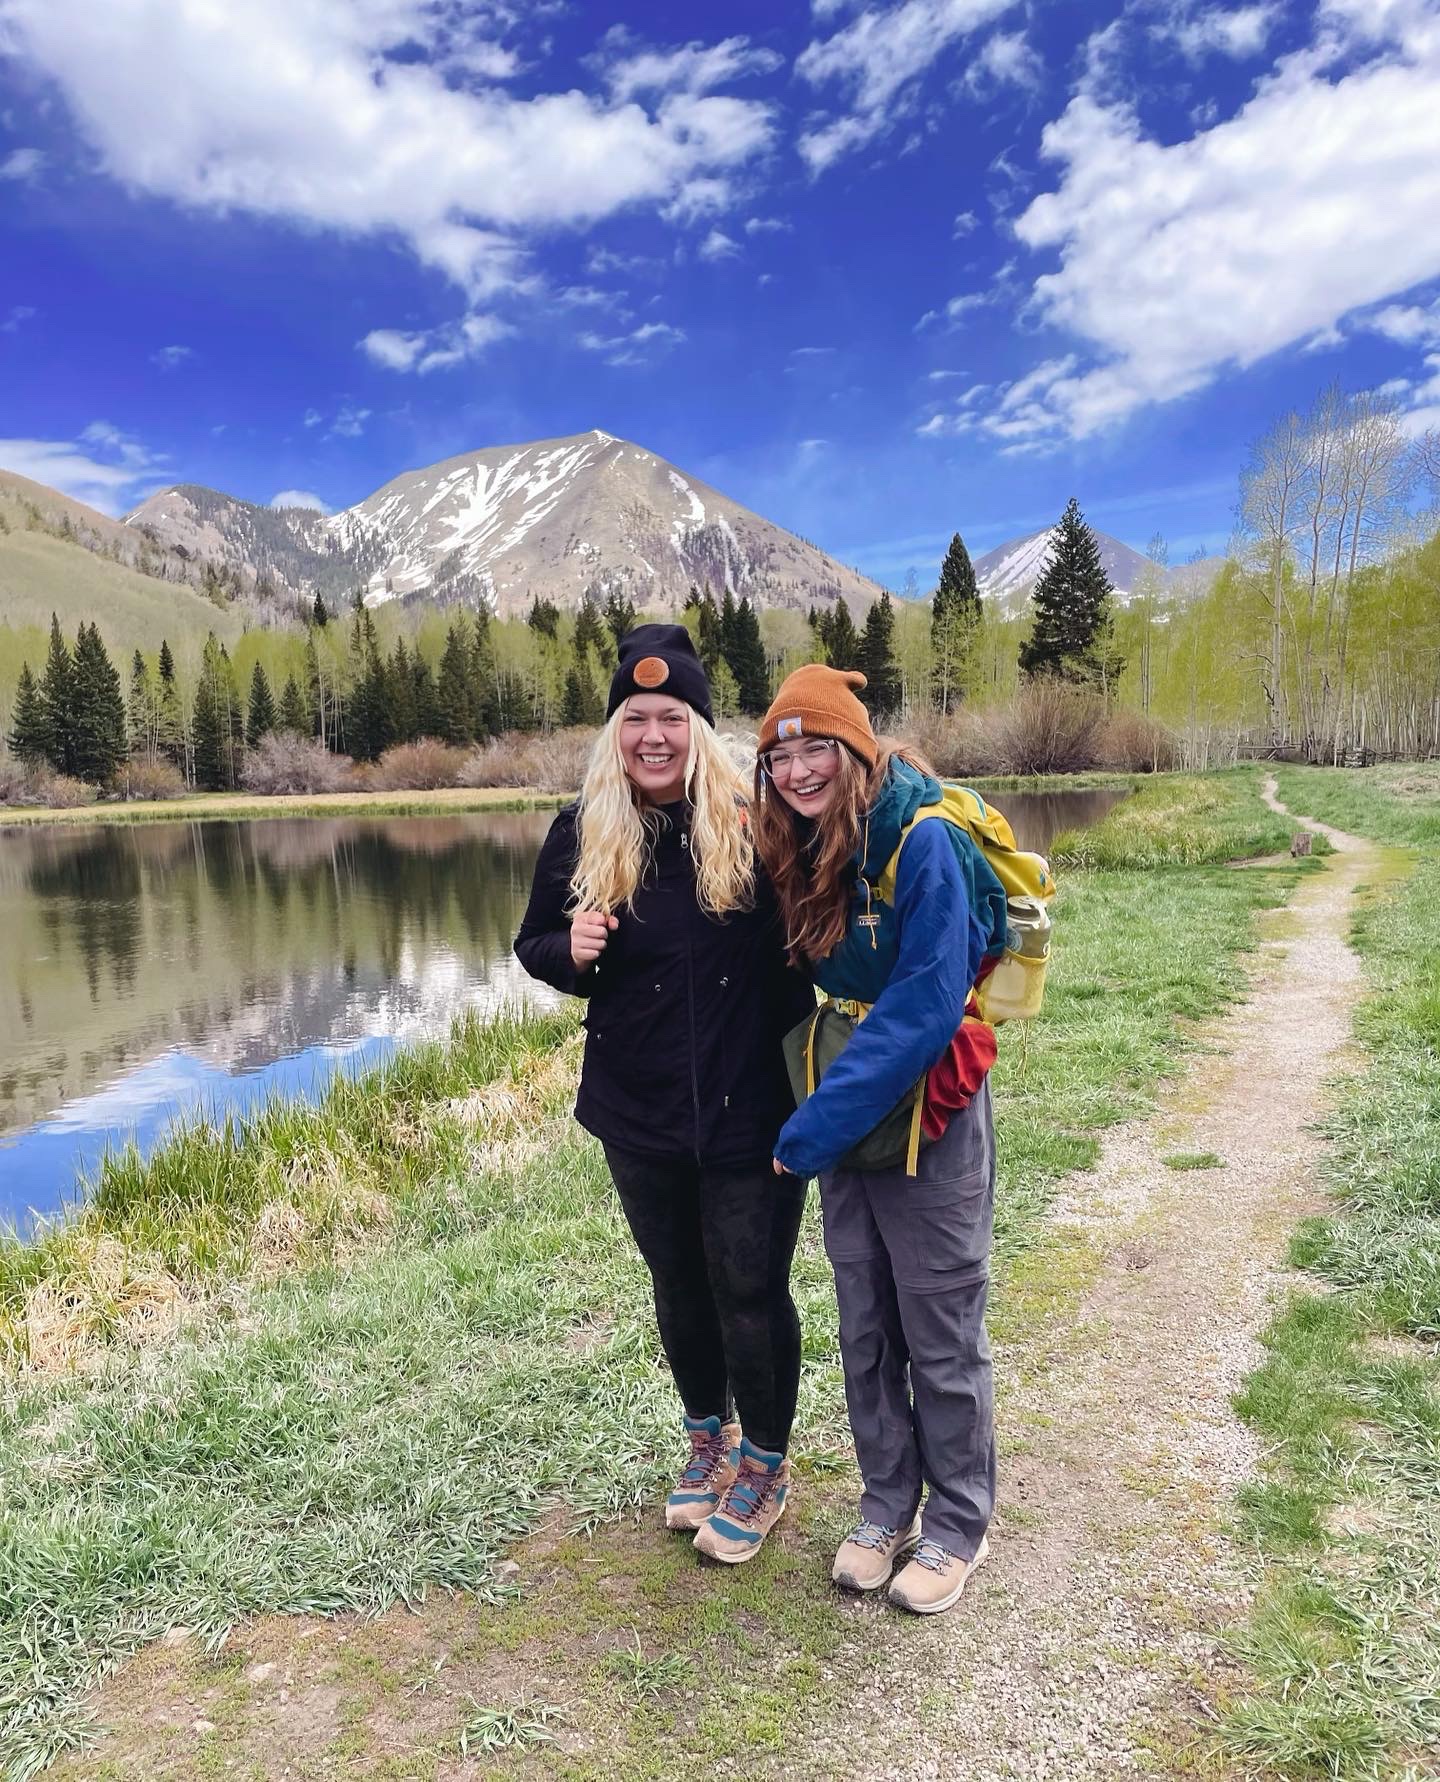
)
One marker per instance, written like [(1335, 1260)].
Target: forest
[(1314, 638)]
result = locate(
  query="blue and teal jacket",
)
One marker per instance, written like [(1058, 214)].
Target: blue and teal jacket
[(915, 962)]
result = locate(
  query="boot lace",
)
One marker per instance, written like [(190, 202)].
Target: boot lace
[(872, 1534), (932, 1555), (707, 1452), (749, 1492)]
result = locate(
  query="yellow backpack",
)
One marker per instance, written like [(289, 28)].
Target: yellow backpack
[(1011, 895)]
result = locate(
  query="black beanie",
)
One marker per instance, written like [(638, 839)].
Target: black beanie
[(660, 659)]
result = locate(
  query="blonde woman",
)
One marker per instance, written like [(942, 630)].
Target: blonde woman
[(646, 902)]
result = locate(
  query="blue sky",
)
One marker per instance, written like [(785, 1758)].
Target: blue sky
[(878, 271)]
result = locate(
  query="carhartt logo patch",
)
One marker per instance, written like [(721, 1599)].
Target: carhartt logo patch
[(788, 728), (651, 671)]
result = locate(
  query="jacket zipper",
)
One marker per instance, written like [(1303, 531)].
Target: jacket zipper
[(690, 997)]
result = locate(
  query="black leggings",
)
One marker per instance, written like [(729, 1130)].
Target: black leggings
[(718, 1243)]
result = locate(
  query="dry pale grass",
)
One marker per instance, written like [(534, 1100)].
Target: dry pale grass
[(509, 1115), (111, 1295), (530, 762)]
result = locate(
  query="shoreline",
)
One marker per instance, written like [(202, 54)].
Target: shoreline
[(245, 807)]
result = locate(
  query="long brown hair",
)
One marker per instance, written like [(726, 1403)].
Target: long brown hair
[(810, 873)]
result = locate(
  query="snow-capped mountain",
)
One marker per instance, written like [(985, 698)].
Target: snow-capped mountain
[(1008, 573), (552, 518)]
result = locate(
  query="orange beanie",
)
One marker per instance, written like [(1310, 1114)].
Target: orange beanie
[(820, 701)]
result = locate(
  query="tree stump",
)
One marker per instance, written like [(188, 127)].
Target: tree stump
[(1300, 844)]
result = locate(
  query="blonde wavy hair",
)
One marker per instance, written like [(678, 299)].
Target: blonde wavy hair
[(617, 828)]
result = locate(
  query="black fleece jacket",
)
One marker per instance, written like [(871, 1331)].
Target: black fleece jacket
[(686, 1013)]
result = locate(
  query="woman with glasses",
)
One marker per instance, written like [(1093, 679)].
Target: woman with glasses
[(647, 903), (910, 1248)]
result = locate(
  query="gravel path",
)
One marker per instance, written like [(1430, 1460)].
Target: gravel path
[(1089, 1645)]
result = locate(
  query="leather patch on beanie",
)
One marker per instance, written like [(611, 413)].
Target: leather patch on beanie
[(650, 671)]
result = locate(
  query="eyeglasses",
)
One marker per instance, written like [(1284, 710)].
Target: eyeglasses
[(778, 762)]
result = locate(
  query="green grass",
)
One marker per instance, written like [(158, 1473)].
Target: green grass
[(455, 1335), (1180, 820), (1343, 1645), (1194, 1160)]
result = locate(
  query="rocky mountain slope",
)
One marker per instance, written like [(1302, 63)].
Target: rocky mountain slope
[(554, 518)]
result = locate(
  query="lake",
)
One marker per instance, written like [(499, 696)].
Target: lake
[(153, 970)]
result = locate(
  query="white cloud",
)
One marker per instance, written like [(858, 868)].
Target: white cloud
[(104, 467), (878, 57), (299, 498), (717, 245), (1408, 324), (1007, 60), (17, 318), (434, 349), (965, 224), (635, 348), (313, 417), (1237, 32), (169, 357), (22, 164), (768, 226), (349, 423), (630, 69), (1180, 261), (318, 113), (956, 309)]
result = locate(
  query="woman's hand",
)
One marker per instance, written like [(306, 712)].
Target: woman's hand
[(589, 931), (778, 1166)]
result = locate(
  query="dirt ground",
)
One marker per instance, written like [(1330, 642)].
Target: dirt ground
[(1091, 1645)]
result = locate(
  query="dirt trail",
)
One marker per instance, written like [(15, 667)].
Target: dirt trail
[(1084, 1647)]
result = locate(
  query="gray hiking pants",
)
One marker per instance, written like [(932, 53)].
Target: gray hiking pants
[(911, 1256)]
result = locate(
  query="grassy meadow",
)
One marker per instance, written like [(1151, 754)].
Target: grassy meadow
[(1343, 1647), (349, 1355)]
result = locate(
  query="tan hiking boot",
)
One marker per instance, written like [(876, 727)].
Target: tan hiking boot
[(750, 1508), (935, 1578), (714, 1455), (868, 1554)]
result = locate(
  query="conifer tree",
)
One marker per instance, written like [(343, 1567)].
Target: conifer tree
[(881, 693), (169, 714), (369, 726), (212, 723), (727, 628), (319, 613), (746, 657), (1072, 607), (27, 738), (57, 703), (400, 694), (484, 693), (99, 742), (590, 630), (954, 618), (841, 639), (572, 705), (544, 617), (260, 718), (620, 614), (710, 645), (293, 716), (427, 710), (454, 708)]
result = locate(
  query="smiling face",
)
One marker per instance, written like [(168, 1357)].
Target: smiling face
[(804, 773), (655, 745)]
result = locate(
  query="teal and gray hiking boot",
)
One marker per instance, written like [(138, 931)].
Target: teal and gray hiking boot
[(714, 1456), (867, 1555), (749, 1509)]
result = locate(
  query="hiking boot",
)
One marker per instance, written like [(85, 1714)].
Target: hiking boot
[(714, 1454), (935, 1578), (749, 1509), (868, 1553)]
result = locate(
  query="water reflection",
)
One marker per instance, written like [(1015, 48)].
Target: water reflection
[(150, 969)]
